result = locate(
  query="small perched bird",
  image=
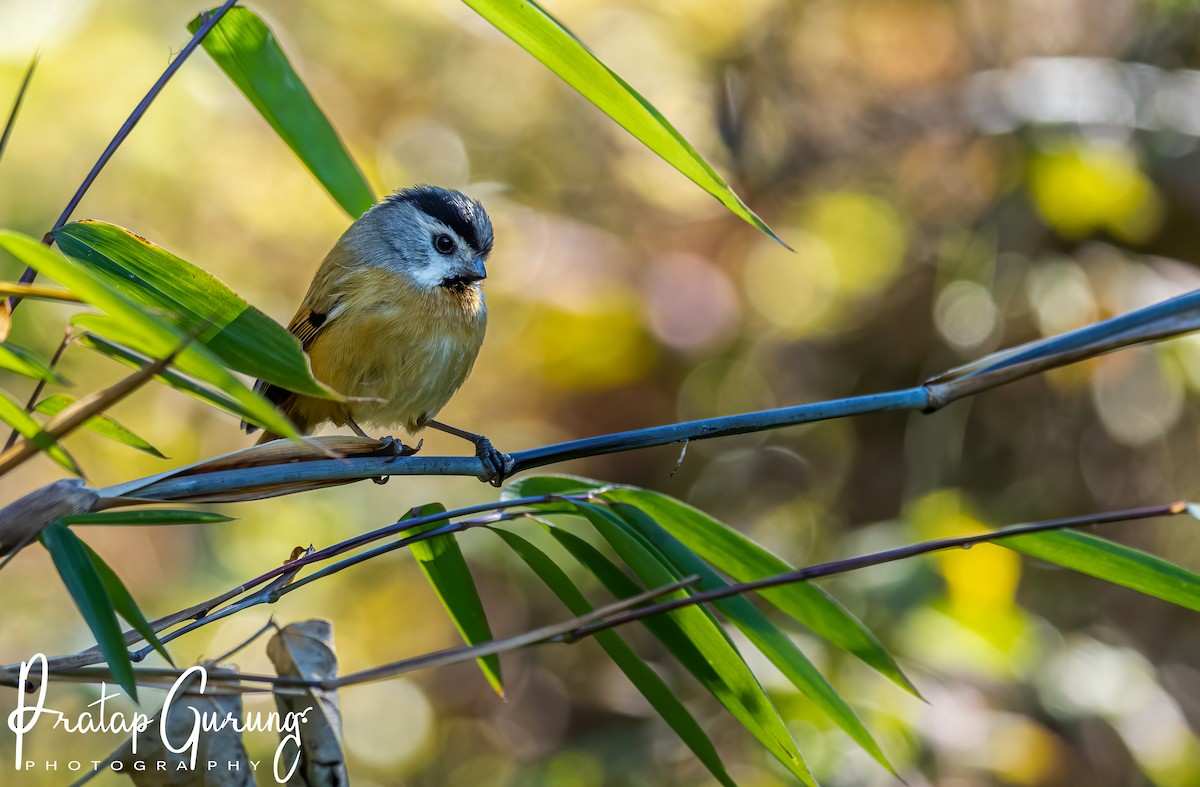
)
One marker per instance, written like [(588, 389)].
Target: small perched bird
[(394, 319)]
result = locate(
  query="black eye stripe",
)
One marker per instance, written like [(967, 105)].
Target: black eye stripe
[(463, 215), (451, 215)]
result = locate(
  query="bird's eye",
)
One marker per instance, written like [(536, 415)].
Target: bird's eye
[(444, 243)]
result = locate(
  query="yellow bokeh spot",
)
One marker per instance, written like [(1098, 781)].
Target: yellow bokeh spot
[(794, 292), (598, 348), (1023, 752), (980, 582), (849, 245), (1000, 644), (864, 236), (1085, 187)]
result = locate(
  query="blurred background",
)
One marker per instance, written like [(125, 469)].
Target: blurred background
[(955, 176)]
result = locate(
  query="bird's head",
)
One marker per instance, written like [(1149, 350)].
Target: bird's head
[(435, 237)]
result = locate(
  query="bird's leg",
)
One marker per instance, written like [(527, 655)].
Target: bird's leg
[(357, 429), (498, 464), (393, 444)]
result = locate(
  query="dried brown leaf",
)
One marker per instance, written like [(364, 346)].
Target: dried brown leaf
[(272, 454), (223, 747), (24, 518), (305, 650)]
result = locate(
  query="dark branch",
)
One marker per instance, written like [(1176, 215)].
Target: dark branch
[(620, 613), (16, 107)]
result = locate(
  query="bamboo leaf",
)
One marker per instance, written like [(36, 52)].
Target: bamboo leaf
[(692, 636), (133, 325), (200, 364), (1112, 562), (541, 35), (742, 559), (194, 301), (249, 54), (539, 485), (773, 643), (25, 363), (644, 679), (74, 564), (446, 569), (745, 561), (76, 415), (15, 416), (123, 602), (167, 377), (101, 424), (147, 516)]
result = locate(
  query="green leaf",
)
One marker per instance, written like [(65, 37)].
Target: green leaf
[(538, 485), (131, 324), (147, 516), (247, 51), (100, 424), (24, 362), (168, 377), (773, 643), (192, 300), (123, 602), (1112, 562), (202, 365), (73, 561), (745, 560), (709, 653), (740, 558), (15, 416), (446, 569), (544, 37), (645, 680)]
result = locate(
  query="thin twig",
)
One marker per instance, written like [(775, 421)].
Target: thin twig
[(203, 613), (278, 589), (628, 610), (227, 655), (553, 632), (77, 414), (30, 274), (877, 558), (16, 107), (38, 292)]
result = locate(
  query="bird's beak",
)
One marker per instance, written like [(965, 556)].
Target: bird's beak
[(464, 276), (473, 272)]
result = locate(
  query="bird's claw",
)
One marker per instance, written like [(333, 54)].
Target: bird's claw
[(496, 463), (398, 448)]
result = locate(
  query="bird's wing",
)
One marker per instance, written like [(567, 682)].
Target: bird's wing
[(314, 314)]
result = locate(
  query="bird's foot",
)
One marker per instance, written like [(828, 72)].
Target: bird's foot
[(397, 449), (496, 463)]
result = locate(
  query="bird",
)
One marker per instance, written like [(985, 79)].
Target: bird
[(394, 319)]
